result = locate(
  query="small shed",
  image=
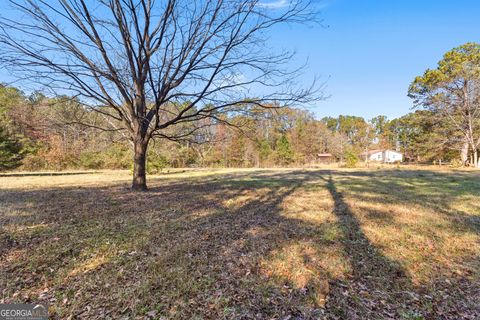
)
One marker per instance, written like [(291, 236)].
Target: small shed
[(325, 157)]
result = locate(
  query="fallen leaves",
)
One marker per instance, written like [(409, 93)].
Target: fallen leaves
[(256, 245)]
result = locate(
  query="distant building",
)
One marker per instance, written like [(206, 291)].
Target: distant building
[(386, 156), (325, 157)]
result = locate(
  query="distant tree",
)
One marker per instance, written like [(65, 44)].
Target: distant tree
[(9, 98), (366, 138), (352, 127), (452, 91), (380, 131), (331, 123), (149, 65), (10, 151), (352, 134), (13, 145), (284, 151), (422, 136)]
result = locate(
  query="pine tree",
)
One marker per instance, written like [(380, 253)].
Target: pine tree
[(284, 151), (10, 151)]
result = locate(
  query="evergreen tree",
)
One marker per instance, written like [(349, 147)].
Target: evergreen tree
[(284, 151), (10, 151)]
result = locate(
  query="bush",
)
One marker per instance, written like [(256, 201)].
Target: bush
[(456, 163), (156, 163), (91, 160), (351, 159), (117, 157), (34, 162)]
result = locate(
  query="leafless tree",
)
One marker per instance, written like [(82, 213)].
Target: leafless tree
[(148, 65)]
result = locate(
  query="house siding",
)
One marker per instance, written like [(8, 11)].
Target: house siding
[(387, 156)]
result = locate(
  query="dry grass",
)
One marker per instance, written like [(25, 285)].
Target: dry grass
[(376, 243)]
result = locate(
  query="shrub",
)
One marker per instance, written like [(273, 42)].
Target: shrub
[(34, 162), (351, 159), (117, 157), (91, 160), (156, 163), (456, 163)]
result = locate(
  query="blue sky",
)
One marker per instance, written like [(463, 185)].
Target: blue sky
[(370, 50)]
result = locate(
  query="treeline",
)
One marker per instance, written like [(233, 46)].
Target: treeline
[(44, 133), (41, 133)]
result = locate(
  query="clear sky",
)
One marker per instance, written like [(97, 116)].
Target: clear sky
[(370, 50)]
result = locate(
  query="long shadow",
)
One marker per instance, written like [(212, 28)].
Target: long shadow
[(429, 189), (226, 241), (82, 220), (181, 251), (365, 258), (380, 283), (377, 280)]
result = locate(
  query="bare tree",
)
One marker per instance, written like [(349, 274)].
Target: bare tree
[(148, 65)]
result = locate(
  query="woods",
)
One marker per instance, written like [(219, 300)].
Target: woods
[(41, 133)]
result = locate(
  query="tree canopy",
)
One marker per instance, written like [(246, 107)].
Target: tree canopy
[(452, 93)]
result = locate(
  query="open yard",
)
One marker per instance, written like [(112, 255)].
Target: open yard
[(245, 244)]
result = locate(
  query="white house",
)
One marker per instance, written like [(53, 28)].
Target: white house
[(386, 156)]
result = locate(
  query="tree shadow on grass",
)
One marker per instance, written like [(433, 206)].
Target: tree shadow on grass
[(432, 190), (377, 289), (221, 256), (431, 197), (218, 247), (182, 250)]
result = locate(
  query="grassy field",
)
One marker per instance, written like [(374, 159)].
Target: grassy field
[(245, 244)]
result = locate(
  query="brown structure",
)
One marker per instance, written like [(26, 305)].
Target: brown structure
[(325, 158)]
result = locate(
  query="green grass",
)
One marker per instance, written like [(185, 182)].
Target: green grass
[(250, 244)]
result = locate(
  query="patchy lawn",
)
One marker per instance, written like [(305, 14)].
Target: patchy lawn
[(245, 244)]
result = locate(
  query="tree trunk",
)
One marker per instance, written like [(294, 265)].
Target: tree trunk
[(475, 159), (366, 158), (139, 165), (464, 153)]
